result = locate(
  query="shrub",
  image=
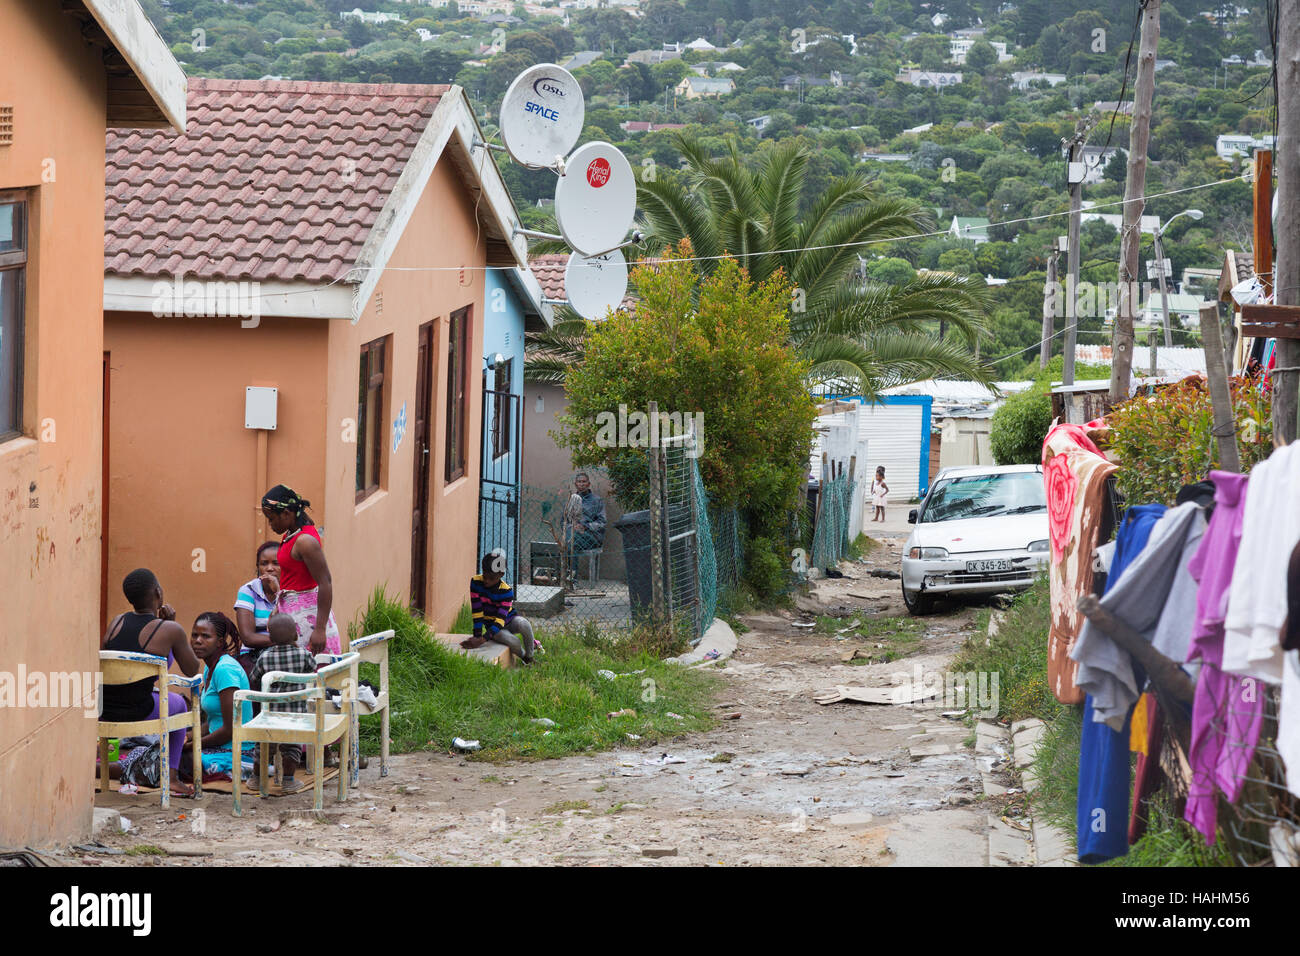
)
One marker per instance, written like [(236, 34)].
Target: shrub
[(1164, 441), (1018, 428)]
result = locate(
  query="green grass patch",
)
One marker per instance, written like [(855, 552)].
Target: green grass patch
[(898, 636), (438, 695), (557, 808), (860, 547), (145, 849), (464, 623), (1017, 654)]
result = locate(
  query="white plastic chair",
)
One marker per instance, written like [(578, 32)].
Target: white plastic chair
[(373, 649), (127, 667), (318, 728)]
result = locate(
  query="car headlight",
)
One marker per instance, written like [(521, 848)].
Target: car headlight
[(928, 554), (1038, 545)]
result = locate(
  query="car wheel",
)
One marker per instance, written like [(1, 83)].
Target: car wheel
[(917, 603)]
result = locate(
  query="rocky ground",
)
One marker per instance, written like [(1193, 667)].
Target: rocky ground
[(784, 781)]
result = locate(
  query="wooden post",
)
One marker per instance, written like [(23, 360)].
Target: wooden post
[(1262, 189), (1225, 427), (1051, 302), (1151, 344), (657, 533), (1131, 235), (1161, 669), (1287, 228)]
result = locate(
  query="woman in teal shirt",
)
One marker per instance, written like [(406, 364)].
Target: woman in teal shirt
[(215, 639)]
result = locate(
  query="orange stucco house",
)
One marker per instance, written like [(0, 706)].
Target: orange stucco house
[(294, 293), (68, 71)]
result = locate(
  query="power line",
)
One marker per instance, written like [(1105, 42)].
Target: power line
[(352, 272)]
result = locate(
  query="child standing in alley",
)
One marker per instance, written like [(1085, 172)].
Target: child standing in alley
[(879, 494)]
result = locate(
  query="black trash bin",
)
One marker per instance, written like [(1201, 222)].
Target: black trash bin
[(635, 529)]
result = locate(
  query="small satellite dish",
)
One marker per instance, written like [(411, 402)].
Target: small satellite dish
[(541, 115), (595, 199), (596, 285)]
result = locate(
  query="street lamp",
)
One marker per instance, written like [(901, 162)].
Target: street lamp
[(1160, 266)]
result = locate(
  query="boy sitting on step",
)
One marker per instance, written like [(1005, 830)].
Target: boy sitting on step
[(492, 601)]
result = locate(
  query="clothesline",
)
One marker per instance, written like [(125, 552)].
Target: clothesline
[(1204, 586)]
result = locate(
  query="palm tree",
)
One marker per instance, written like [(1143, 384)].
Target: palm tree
[(863, 335)]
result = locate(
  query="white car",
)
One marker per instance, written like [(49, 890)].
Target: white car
[(980, 530)]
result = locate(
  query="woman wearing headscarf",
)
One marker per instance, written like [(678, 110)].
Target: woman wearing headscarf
[(306, 589)]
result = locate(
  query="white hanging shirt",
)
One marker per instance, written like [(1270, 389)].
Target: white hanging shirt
[(1270, 529)]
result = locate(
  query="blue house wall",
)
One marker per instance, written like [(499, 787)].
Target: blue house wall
[(503, 334)]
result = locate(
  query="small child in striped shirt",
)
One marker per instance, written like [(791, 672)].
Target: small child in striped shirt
[(492, 601)]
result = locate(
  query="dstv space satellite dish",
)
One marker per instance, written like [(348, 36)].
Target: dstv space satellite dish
[(595, 199), (541, 115), (596, 285)]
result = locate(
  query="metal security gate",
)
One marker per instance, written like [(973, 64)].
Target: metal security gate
[(501, 471)]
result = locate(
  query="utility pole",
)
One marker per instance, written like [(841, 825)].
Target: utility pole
[(1131, 236), (1287, 158), (1074, 176), (1051, 302), (1164, 291)]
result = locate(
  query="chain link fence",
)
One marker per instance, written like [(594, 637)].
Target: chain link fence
[(830, 540), (589, 559)]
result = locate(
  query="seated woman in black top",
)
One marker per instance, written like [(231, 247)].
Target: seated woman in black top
[(150, 628)]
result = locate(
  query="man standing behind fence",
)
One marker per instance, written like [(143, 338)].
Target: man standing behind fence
[(585, 516), (492, 601)]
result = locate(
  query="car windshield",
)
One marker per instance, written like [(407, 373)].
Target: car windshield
[(985, 496)]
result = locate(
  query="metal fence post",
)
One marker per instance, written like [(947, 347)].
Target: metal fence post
[(657, 535)]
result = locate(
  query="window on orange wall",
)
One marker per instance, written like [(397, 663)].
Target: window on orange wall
[(370, 416), (457, 392), (13, 276)]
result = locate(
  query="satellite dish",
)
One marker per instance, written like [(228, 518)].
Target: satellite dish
[(595, 199), (541, 115), (596, 285)]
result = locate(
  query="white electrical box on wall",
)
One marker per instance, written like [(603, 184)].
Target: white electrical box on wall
[(259, 407)]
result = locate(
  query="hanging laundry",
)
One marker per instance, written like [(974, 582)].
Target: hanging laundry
[(1156, 597), (1227, 709), (1288, 721), (1102, 807), (1146, 770), (1075, 473), (1270, 530)]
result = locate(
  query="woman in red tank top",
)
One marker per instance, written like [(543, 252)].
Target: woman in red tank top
[(306, 589)]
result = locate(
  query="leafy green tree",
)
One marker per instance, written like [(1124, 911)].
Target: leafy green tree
[(890, 270), (981, 56), (714, 344)]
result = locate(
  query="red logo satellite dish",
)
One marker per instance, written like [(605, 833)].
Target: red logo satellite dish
[(595, 199)]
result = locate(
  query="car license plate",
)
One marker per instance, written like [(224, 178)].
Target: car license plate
[(995, 564)]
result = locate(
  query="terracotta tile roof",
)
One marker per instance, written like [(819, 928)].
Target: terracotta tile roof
[(272, 180), (549, 270)]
